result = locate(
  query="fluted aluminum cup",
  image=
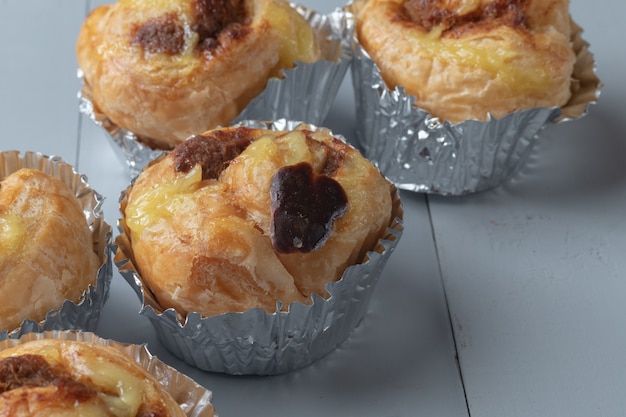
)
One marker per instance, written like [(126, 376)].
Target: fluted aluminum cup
[(193, 399), (84, 314), (255, 342), (305, 92), (418, 152)]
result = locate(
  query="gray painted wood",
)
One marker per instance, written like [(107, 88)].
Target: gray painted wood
[(38, 82), (534, 271), (401, 359)]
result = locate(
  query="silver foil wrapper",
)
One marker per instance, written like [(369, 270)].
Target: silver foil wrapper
[(84, 314), (255, 342), (306, 92), (193, 399), (128, 148), (418, 152)]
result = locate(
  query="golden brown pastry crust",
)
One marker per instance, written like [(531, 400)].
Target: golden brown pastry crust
[(216, 243), (464, 59), (68, 378), (46, 247), (165, 70)]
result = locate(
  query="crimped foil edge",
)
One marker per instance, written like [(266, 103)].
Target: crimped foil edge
[(255, 342), (286, 97), (133, 153), (84, 314), (420, 153), (306, 92), (586, 85), (193, 399)]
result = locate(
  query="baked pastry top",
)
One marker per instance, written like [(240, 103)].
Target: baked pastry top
[(239, 218), (466, 59), (165, 70), (46, 247), (51, 377)]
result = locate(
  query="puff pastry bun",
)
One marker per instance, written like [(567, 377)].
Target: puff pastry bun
[(465, 59), (51, 377), (239, 218), (167, 69), (46, 247)]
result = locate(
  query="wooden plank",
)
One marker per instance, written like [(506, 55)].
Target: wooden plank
[(399, 362), (38, 82), (534, 270), (401, 358)]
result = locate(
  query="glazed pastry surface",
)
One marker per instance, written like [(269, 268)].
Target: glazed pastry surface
[(165, 70), (466, 59), (239, 218), (46, 247), (50, 377)]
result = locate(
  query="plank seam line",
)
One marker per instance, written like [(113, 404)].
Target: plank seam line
[(80, 116), (445, 296), (79, 128)]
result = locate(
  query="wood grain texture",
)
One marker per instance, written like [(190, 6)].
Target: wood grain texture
[(525, 282), (38, 82), (400, 361), (534, 271)]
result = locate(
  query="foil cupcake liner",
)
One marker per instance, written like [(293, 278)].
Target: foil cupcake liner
[(306, 92), (255, 342), (420, 153), (84, 314), (193, 399)]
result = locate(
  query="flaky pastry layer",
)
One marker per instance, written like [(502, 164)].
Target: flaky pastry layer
[(46, 247), (466, 59), (240, 218), (165, 70), (51, 377)]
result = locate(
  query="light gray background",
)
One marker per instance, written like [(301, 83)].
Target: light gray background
[(503, 303)]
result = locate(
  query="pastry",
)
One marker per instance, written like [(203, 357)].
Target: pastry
[(46, 249), (467, 60), (165, 70), (240, 218), (51, 377)]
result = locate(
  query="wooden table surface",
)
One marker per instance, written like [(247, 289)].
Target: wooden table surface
[(505, 303)]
